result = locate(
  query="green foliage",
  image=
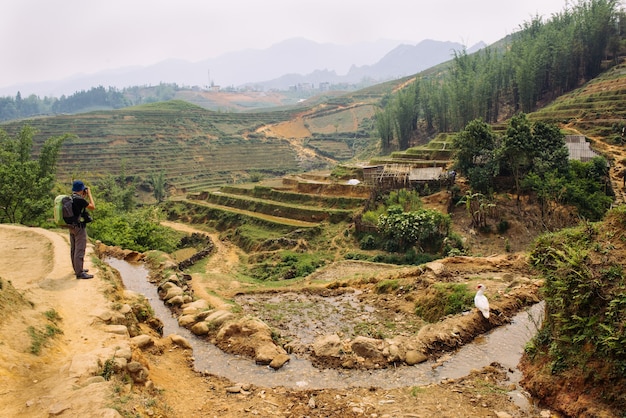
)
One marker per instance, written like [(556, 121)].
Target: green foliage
[(584, 185), (370, 217), (255, 176), (453, 245), (426, 228), (526, 147), (443, 299), (585, 300), (108, 369), (138, 230), (542, 60), (402, 199), (39, 337), (384, 126), (52, 315), (387, 286), (158, 185), (587, 188), (408, 200), (368, 242), (535, 155), (25, 182), (476, 148), (342, 172), (503, 226), (401, 223), (479, 207), (118, 190), (289, 265)]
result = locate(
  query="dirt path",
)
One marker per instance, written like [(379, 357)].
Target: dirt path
[(220, 267), (37, 263)]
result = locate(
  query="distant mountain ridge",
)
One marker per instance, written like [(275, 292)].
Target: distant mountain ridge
[(284, 64), (403, 60)]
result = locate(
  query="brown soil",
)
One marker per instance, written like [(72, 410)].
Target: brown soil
[(36, 263)]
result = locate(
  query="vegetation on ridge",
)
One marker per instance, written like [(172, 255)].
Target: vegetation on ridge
[(540, 62), (584, 333)]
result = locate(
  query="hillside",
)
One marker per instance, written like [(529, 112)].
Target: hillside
[(198, 149)]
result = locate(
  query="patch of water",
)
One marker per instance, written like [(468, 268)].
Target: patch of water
[(503, 345)]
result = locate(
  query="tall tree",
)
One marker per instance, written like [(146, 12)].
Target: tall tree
[(158, 184), (406, 114), (384, 126), (476, 148), (516, 149), (26, 182)]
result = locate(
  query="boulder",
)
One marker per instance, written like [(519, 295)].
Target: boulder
[(219, 317), (201, 328), (327, 346), (368, 348), (414, 357), (180, 341), (186, 321), (84, 364), (244, 327), (279, 361), (194, 307), (172, 292), (117, 329), (124, 351), (436, 267), (142, 341), (267, 352), (119, 364), (176, 300), (134, 366)]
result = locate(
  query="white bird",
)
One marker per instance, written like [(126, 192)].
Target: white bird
[(481, 302)]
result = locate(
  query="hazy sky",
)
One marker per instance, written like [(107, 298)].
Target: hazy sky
[(44, 40)]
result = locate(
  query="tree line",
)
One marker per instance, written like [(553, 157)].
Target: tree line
[(18, 107), (539, 62)]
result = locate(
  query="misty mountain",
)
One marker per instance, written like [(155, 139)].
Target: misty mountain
[(403, 60), (282, 65)]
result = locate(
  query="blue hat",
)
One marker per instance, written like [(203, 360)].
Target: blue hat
[(78, 186)]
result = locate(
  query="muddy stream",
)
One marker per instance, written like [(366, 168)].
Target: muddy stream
[(504, 345)]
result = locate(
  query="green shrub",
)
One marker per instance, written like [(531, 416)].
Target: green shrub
[(387, 286), (503, 226), (138, 230), (367, 243), (586, 300), (444, 299), (287, 265)]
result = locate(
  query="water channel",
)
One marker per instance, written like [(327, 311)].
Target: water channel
[(503, 345)]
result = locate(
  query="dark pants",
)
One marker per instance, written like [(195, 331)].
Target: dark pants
[(78, 245)]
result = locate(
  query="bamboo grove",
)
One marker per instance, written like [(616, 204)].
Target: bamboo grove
[(535, 64)]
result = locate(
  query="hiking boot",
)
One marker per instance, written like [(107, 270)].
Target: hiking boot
[(84, 275)]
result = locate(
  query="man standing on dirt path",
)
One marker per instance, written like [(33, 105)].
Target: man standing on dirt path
[(81, 201)]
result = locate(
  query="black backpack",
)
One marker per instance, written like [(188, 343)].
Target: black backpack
[(64, 210), (68, 211)]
